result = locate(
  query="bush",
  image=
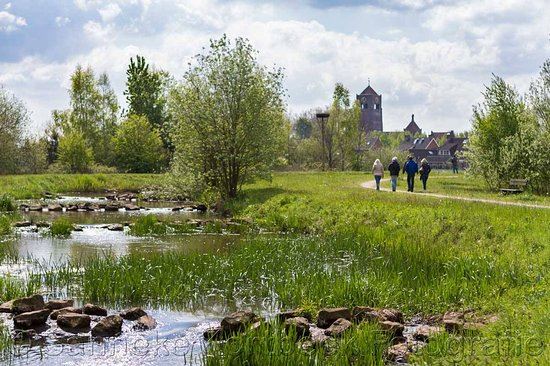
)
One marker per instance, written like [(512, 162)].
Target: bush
[(61, 228), (148, 225), (138, 148), (74, 155), (7, 203)]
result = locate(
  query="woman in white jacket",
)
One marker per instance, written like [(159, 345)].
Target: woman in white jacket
[(378, 171)]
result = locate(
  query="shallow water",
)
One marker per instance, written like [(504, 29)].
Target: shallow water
[(177, 340)]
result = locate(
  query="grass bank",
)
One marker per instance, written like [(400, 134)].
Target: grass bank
[(33, 186)]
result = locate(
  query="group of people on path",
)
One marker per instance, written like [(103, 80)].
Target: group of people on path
[(410, 167)]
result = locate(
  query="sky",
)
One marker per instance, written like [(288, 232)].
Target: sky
[(427, 57)]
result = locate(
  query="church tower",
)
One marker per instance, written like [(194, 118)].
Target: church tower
[(371, 109)]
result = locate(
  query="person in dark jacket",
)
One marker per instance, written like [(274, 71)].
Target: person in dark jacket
[(411, 168), (424, 170), (454, 163), (394, 169)]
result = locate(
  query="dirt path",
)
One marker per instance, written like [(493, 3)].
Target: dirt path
[(372, 185)]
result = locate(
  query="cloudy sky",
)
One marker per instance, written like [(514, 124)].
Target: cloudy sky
[(426, 57)]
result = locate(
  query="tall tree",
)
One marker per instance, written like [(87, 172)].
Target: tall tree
[(230, 115), (496, 119), (13, 119), (85, 105), (146, 96), (107, 121), (539, 95)]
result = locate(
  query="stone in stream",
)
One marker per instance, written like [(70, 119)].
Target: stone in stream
[(338, 328), (392, 315), (200, 207), (213, 334), (72, 208), (300, 324), (365, 313), (31, 319), (59, 304), (26, 304), (43, 224), (394, 328), (78, 228), (6, 307), (109, 326), (293, 314), (424, 332), (453, 321), (22, 224), (55, 207), (35, 208), (73, 322), (69, 310), (91, 309), (111, 208), (115, 227), (238, 321), (327, 316), (131, 207), (145, 322), (132, 313), (398, 353)]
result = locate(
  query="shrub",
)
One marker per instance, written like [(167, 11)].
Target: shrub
[(74, 155), (7, 203), (61, 228)]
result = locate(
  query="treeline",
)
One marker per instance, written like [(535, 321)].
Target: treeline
[(94, 134), (510, 137)]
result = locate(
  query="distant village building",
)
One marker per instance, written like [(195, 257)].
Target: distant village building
[(438, 147), (371, 109)]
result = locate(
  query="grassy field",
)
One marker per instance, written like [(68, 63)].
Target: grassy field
[(337, 244), (33, 186), (444, 182)]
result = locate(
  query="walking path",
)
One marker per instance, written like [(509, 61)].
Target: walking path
[(372, 185)]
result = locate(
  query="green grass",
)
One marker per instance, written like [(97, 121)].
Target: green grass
[(61, 228), (271, 345), (341, 245), (5, 225), (33, 186), (464, 185), (150, 225), (7, 204)]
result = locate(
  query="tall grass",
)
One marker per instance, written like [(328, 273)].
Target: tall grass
[(7, 203), (33, 186), (150, 225), (5, 225), (271, 345), (61, 227)]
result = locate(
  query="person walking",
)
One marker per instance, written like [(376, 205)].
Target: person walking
[(378, 171), (424, 171), (394, 169), (454, 162), (411, 168)]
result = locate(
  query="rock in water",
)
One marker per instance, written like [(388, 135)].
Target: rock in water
[(132, 314), (326, 317), (59, 304), (338, 328), (55, 207), (6, 307), (238, 321), (69, 310), (394, 328), (72, 321), (91, 309), (424, 332), (31, 319), (300, 324), (26, 304), (115, 227), (145, 322), (110, 326), (398, 353), (392, 315), (22, 224)]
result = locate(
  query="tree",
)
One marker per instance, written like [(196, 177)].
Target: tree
[(496, 119), (539, 96), (32, 156), (304, 126), (107, 121), (146, 96), (138, 147), (84, 115), (230, 117), (13, 118), (74, 155)]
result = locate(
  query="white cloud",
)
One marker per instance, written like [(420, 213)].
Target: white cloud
[(109, 12), (62, 21), (7, 6), (434, 66), (10, 22)]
